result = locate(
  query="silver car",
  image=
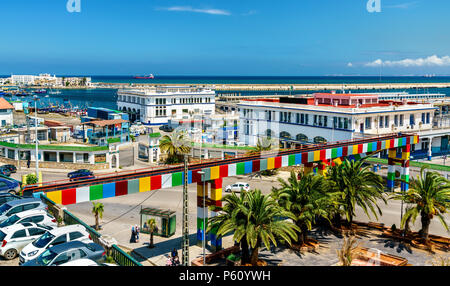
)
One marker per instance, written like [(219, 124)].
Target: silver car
[(17, 206), (238, 187)]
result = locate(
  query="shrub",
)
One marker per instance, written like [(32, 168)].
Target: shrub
[(31, 179)]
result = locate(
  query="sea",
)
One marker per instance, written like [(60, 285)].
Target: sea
[(96, 97)]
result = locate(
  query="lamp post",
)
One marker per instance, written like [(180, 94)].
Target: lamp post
[(204, 216), (35, 98)]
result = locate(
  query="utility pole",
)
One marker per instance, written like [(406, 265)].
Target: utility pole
[(36, 139), (185, 239)]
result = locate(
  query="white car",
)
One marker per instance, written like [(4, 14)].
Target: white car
[(54, 237), (15, 237), (238, 187), (40, 217), (86, 262)]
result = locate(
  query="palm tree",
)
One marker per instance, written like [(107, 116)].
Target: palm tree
[(232, 219), (97, 210), (347, 252), (429, 195), (151, 227), (356, 185), (175, 145), (263, 145), (306, 198), (264, 224)]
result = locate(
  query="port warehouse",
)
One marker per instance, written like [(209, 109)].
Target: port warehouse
[(124, 183)]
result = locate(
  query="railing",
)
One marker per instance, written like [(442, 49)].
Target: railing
[(70, 219), (122, 258)]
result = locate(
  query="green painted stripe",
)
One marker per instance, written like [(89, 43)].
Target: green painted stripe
[(391, 176), (291, 160), (334, 153), (95, 192), (177, 179), (240, 168)]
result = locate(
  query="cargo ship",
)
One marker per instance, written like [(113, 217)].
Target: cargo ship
[(151, 76)]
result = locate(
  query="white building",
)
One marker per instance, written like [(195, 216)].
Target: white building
[(6, 112), (328, 117), (41, 79), (157, 105), (23, 79)]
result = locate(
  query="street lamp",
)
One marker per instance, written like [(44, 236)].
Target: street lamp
[(204, 216), (35, 98)]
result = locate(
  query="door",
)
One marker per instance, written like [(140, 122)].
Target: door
[(361, 127)]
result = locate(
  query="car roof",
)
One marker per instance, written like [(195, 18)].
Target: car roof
[(67, 228), (13, 227), (67, 246), (31, 212), (23, 201)]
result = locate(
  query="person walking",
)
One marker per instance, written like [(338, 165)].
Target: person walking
[(28, 163), (137, 233), (133, 235)]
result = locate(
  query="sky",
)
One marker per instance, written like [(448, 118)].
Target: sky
[(225, 37)]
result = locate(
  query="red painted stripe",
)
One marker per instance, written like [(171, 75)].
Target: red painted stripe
[(196, 177), (344, 151), (224, 171), (323, 154), (121, 188), (408, 140), (360, 148), (391, 144), (277, 162), (256, 166), (69, 196), (216, 184), (155, 182), (378, 145), (304, 158)]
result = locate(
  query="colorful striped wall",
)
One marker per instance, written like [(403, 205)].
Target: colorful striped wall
[(96, 192)]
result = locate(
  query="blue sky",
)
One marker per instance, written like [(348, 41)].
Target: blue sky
[(225, 37)]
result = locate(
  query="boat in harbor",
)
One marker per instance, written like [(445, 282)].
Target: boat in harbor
[(40, 91), (151, 76), (54, 92)]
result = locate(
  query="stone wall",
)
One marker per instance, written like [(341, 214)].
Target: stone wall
[(56, 165)]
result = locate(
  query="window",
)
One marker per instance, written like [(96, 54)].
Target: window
[(62, 258), (401, 119), (75, 235), (345, 123), (396, 120), (325, 121), (423, 117), (59, 240), (306, 119), (386, 121), (428, 118), (302, 118), (36, 231), (411, 120), (19, 234), (15, 210), (77, 254), (368, 122), (30, 206)]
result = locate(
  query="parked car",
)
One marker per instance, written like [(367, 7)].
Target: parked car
[(10, 167), (75, 232), (66, 252), (37, 216), (238, 187), (9, 186), (15, 237), (86, 262), (5, 171), (17, 206), (166, 128), (7, 197), (80, 175)]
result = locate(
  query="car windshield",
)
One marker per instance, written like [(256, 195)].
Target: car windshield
[(10, 221), (43, 240), (46, 257), (4, 208)]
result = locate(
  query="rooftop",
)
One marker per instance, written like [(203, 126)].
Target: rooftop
[(103, 123), (4, 104)]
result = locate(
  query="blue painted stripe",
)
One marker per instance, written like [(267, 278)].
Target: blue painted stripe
[(298, 159), (248, 167), (109, 190)]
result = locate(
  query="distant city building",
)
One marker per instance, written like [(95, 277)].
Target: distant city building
[(76, 81), (6, 112), (156, 106), (327, 117)]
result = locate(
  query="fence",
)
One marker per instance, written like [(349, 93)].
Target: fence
[(122, 258), (119, 256)]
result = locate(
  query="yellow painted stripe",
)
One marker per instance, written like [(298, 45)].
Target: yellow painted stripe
[(316, 155), (416, 139), (144, 184), (388, 144), (355, 149), (215, 173), (200, 189), (392, 153), (270, 163), (55, 196), (216, 194)]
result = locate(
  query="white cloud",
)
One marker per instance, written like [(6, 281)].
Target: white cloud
[(349, 65), (196, 10), (419, 62)]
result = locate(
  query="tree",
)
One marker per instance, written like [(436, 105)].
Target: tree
[(264, 144), (265, 224), (347, 252), (306, 198), (428, 196), (151, 227), (97, 210), (175, 145), (31, 179), (355, 185)]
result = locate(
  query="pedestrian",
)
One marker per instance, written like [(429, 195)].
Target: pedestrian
[(28, 163), (174, 253), (133, 235), (137, 233)]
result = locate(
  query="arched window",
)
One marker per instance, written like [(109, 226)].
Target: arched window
[(269, 133), (319, 140), (301, 137), (285, 134)]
